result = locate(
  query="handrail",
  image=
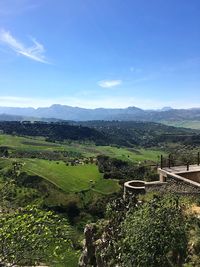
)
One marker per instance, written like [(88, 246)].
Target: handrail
[(186, 160)]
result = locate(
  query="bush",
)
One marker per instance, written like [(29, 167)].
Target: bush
[(155, 234)]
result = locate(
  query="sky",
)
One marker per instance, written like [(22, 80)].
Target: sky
[(100, 53)]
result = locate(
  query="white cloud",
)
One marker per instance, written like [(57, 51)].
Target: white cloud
[(35, 52), (109, 83)]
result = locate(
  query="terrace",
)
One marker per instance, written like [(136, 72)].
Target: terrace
[(182, 177), (187, 171)]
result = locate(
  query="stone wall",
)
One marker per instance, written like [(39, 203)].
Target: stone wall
[(193, 176), (134, 187), (174, 185)]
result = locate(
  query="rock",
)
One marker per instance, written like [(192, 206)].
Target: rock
[(88, 256)]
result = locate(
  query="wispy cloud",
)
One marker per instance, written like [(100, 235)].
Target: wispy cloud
[(34, 52), (109, 83)]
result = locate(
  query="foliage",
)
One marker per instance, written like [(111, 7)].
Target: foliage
[(52, 131), (123, 170), (193, 258), (32, 236), (149, 234), (155, 234), (145, 134)]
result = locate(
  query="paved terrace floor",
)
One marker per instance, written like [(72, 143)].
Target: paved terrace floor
[(182, 169)]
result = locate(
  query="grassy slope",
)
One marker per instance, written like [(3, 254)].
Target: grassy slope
[(26, 143), (186, 124), (68, 178), (71, 178), (128, 154), (132, 154)]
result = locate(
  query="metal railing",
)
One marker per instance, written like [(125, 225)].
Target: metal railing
[(174, 160)]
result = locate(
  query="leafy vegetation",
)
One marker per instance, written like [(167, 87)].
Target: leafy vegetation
[(157, 231), (31, 236), (52, 131), (145, 134), (155, 234)]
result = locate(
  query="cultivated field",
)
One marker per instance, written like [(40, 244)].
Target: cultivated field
[(185, 124), (70, 179), (86, 149)]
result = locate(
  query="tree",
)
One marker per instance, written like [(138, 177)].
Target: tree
[(30, 236), (155, 234)]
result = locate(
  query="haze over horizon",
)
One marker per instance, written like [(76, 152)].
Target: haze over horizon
[(163, 108), (92, 54)]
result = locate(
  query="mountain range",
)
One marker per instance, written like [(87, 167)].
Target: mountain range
[(62, 112)]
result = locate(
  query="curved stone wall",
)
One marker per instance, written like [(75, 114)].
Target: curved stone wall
[(136, 187)]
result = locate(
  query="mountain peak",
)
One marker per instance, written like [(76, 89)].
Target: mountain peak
[(134, 108), (166, 108)]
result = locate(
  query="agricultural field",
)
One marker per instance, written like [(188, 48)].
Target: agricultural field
[(27, 143), (127, 154), (192, 124), (71, 179), (85, 149), (131, 154)]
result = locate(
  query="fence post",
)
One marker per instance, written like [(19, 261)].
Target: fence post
[(169, 161), (161, 161), (188, 165), (198, 162)]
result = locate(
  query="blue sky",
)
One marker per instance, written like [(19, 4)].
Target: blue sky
[(100, 53)]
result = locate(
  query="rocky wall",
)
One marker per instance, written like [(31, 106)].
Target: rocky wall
[(174, 185)]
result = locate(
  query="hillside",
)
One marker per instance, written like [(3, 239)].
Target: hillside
[(70, 179), (128, 134), (146, 134), (52, 131)]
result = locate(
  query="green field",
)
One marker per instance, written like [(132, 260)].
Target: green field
[(86, 149), (131, 154), (69, 178), (185, 124), (27, 143), (127, 154)]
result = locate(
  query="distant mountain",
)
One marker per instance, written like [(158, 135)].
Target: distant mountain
[(166, 108), (6, 117), (71, 113), (62, 112)]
